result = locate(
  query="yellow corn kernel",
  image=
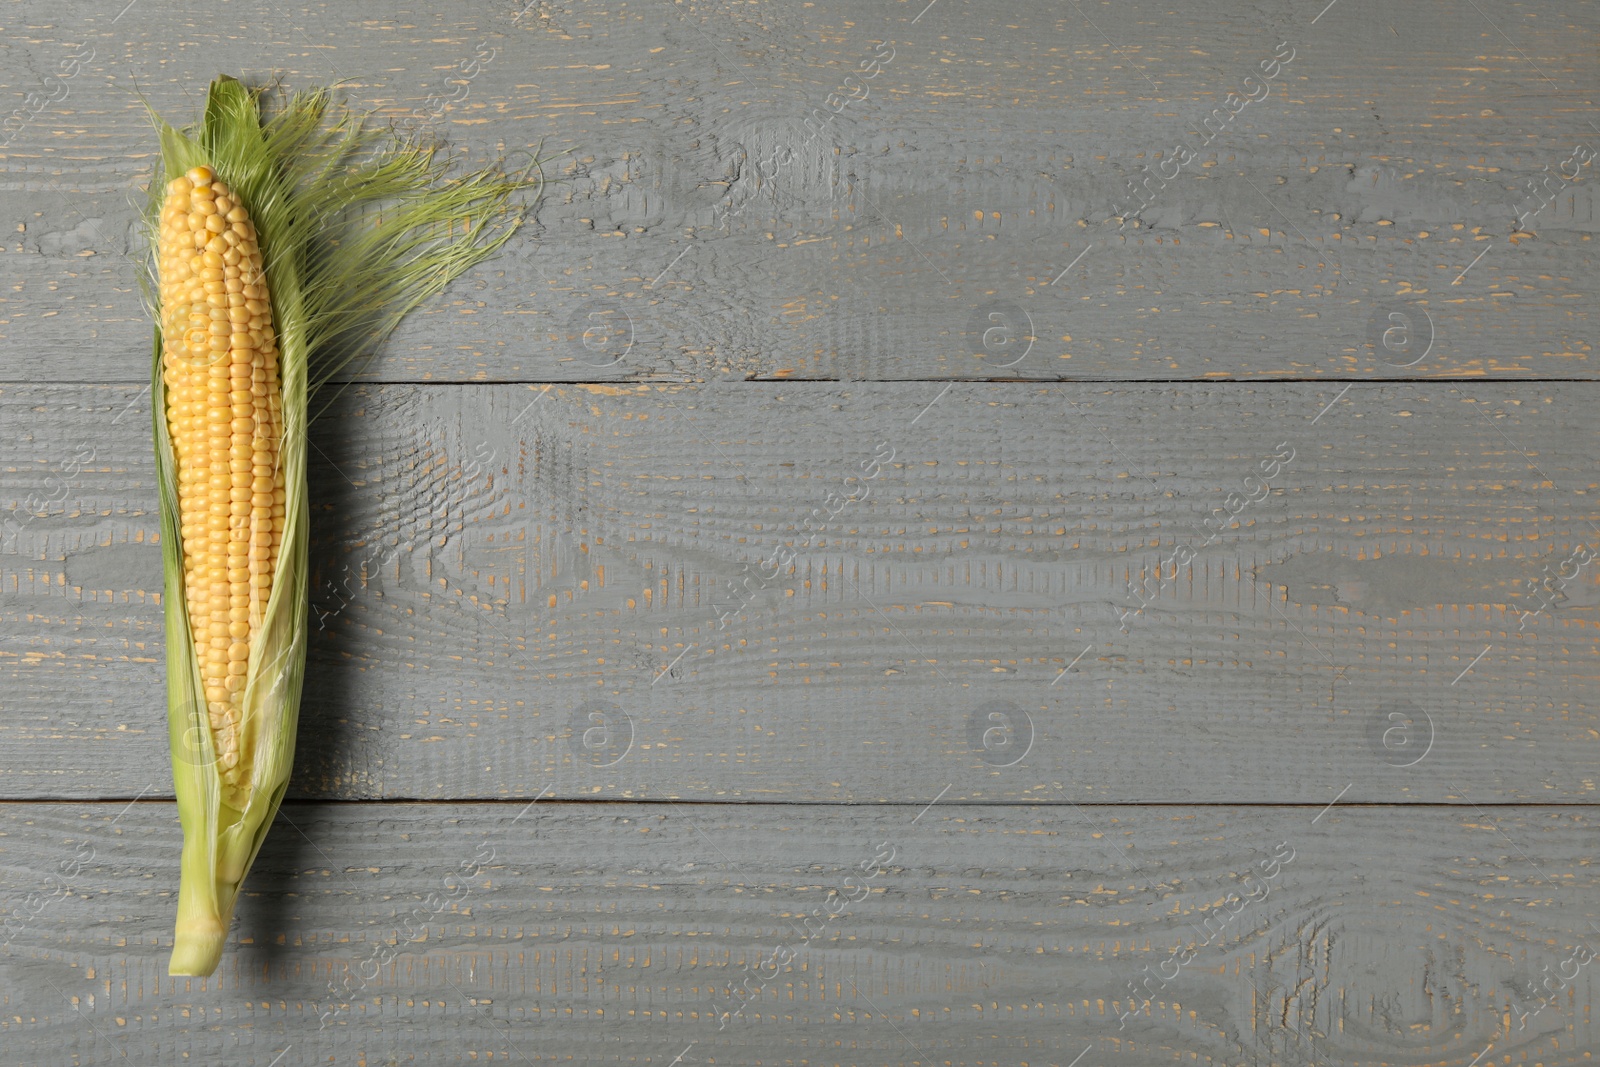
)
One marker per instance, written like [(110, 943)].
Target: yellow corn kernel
[(225, 420)]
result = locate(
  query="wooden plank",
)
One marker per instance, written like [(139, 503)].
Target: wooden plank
[(611, 934), (975, 167), (537, 557)]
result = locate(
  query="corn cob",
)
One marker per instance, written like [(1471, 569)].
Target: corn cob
[(225, 418), (355, 227)]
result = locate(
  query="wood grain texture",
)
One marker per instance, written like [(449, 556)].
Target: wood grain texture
[(610, 934), (1388, 161), (950, 693), (496, 565)]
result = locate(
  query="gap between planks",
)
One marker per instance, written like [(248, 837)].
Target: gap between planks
[(445, 802), (1254, 382)]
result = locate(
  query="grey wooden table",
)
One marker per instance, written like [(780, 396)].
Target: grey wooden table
[(1021, 533)]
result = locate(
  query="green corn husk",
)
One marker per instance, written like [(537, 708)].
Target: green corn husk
[(357, 225)]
